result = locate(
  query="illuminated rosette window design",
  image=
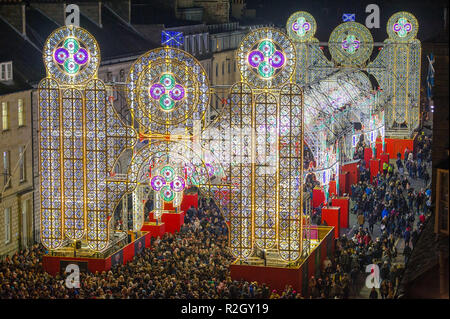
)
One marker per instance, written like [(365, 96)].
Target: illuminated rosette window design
[(167, 92), (167, 88), (350, 44), (301, 26), (402, 26), (266, 58), (71, 55), (167, 183)]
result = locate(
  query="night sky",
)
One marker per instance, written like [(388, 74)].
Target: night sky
[(328, 14)]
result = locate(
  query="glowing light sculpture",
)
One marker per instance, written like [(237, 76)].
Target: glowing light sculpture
[(80, 138), (266, 196), (397, 69)]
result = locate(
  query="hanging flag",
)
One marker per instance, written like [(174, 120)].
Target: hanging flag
[(172, 38), (430, 76), (346, 17)]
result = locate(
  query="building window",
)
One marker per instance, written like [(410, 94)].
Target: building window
[(229, 67), (7, 224), (22, 163), (5, 116), (6, 170), (6, 73), (234, 66), (223, 68), (217, 70), (20, 119)]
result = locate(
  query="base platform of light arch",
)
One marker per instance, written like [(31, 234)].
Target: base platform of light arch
[(56, 261), (277, 277)]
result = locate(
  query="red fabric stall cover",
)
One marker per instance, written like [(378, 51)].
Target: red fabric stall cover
[(151, 217), (168, 206), (344, 187), (173, 221), (318, 197), (332, 188), (367, 155), (352, 169), (331, 215), (188, 201), (343, 203), (397, 145), (276, 278), (384, 158), (155, 230), (378, 148), (374, 168)]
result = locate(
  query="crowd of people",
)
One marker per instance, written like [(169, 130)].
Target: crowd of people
[(194, 263)]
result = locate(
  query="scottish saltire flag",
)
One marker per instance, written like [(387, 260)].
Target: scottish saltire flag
[(348, 17), (430, 76), (172, 38)]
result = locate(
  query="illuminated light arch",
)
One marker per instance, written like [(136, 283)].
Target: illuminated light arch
[(176, 150), (264, 127)]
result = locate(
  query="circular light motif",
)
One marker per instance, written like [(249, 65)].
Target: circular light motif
[(70, 66), (167, 194), (350, 44), (178, 184), (71, 45), (81, 56), (266, 47), (255, 58), (157, 90), (177, 93), (166, 102), (301, 26), (265, 70), (157, 182), (61, 55), (168, 81), (402, 27), (277, 59), (168, 173)]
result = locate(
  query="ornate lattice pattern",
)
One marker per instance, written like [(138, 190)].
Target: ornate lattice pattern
[(50, 164), (290, 172)]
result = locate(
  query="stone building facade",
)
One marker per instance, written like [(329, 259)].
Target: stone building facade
[(16, 186)]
